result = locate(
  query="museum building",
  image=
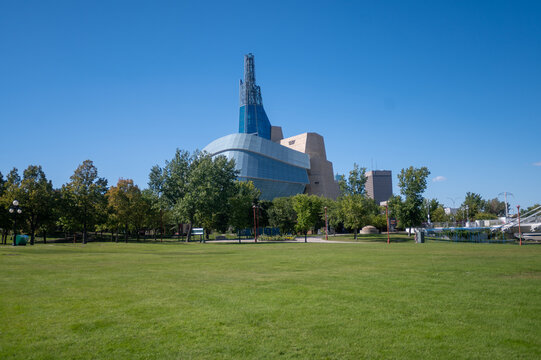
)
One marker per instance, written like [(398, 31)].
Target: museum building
[(278, 167)]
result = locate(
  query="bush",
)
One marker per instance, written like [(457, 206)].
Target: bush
[(275, 238)]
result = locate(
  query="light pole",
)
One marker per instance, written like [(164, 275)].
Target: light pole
[(505, 193), (519, 233), (387, 216), (326, 226), (15, 210), (255, 226)]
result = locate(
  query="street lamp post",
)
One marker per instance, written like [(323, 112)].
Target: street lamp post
[(388, 229), (519, 233), (15, 210), (326, 225), (255, 226)]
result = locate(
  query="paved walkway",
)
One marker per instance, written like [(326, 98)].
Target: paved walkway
[(296, 240)]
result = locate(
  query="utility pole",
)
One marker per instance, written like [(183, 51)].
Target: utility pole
[(506, 203)]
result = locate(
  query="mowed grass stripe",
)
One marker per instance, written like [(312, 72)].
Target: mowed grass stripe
[(160, 301)]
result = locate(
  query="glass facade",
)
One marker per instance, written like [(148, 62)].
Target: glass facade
[(274, 169), (254, 120)]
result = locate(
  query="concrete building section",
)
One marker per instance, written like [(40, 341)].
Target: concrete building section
[(379, 185), (276, 134), (320, 174)]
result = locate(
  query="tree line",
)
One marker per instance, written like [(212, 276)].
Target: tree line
[(195, 189)]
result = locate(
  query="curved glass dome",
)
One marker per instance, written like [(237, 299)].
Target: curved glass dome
[(274, 169)]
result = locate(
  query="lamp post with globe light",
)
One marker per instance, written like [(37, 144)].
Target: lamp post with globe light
[(15, 210)]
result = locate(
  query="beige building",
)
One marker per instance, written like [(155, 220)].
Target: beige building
[(379, 185), (320, 175)]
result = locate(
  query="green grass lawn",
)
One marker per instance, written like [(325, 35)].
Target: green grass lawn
[(330, 301)]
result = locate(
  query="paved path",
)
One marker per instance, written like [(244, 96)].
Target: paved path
[(296, 240)]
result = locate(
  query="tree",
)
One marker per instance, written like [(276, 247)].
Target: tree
[(334, 214), (10, 191), (210, 183), (36, 196), (282, 214), (154, 214), (168, 184), (308, 209), (355, 183), (240, 205), (473, 204), (429, 206), (124, 200), (5, 222), (82, 198), (356, 211), (412, 183), (495, 207), (438, 215)]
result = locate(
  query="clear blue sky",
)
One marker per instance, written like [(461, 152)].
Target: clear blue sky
[(451, 85)]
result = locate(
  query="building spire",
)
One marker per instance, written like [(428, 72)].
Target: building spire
[(250, 93)]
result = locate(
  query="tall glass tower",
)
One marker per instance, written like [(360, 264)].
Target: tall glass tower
[(252, 116)]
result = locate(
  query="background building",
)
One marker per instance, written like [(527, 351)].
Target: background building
[(379, 185), (277, 166)]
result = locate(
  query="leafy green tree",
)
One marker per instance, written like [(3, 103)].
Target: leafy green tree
[(533, 207), (438, 215), (428, 207), (485, 216), (495, 207), (334, 215), (10, 192), (282, 214), (210, 184), (37, 197), (379, 220), (355, 183), (412, 183), (154, 214), (308, 209), (474, 204), (82, 198), (357, 211), (5, 222), (240, 205), (125, 201), (169, 186)]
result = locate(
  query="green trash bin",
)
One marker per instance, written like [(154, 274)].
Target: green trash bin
[(21, 240)]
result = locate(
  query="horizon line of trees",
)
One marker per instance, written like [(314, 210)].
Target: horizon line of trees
[(195, 189)]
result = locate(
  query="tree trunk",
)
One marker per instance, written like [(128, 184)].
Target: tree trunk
[(112, 235), (126, 233), (355, 235), (155, 235), (116, 240), (178, 229), (84, 232), (161, 223), (305, 236), (75, 237), (189, 235), (44, 237), (137, 236)]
